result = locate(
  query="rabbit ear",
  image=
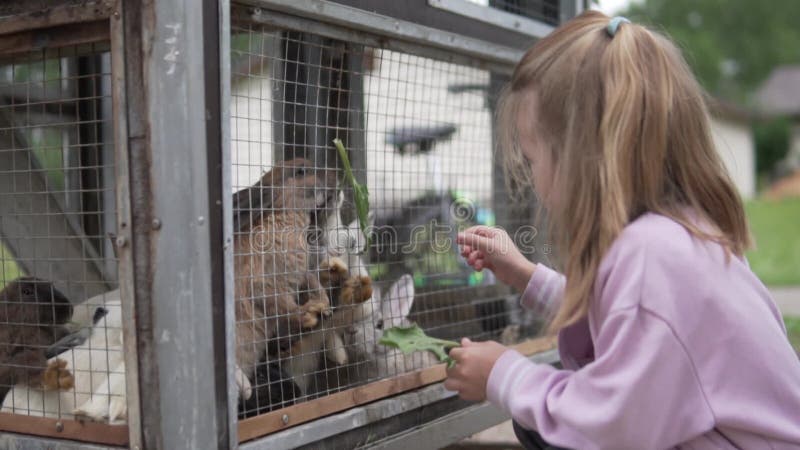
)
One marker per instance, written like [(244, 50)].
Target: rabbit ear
[(353, 226), (358, 241), (397, 303), (371, 218)]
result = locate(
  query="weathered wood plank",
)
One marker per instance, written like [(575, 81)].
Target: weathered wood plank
[(303, 412)]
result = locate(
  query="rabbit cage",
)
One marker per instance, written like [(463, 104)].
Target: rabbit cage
[(183, 262)]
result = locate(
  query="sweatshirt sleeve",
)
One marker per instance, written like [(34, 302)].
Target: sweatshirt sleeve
[(544, 291), (641, 391)]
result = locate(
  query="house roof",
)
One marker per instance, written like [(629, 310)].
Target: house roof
[(725, 109), (780, 94)]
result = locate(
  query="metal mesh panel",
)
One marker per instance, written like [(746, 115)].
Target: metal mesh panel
[(60, 319), (419, 134)]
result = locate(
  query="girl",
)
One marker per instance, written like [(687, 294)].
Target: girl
[(666, 337)]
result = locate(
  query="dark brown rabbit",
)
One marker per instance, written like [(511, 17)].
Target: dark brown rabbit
[(32, 317), (271, 261)]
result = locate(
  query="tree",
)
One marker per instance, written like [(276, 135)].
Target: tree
[(732, 45)]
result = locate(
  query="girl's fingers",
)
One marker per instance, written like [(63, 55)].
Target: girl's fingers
[(473, 257), (456, 353), (452, 385), (477, 229), (482, 230), (475, 241)]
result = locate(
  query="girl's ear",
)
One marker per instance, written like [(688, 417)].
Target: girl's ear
[(398, 301)]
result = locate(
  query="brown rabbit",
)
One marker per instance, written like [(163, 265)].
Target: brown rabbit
[(271, 262)]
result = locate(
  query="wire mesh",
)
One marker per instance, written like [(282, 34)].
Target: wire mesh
[(60, 319), (418, 132)]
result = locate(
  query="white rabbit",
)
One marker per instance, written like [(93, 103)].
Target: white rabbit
[(370, 360), (341, 246), (348, 243), (349, 294), (107, 402), (97, 366)]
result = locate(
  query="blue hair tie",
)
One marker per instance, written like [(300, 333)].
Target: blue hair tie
[(613, 25)]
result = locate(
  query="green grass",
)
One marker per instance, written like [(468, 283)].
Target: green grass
[(776, 229), (793, 330)]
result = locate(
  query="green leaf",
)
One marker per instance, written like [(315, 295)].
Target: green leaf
[(360, 192), (413, 339)]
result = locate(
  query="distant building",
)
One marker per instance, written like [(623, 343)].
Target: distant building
[(780, 94), (731, 128)]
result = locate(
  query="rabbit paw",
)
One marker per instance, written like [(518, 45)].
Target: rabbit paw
[(83, 415), (118, 411), (312, 309), (364, 289), (356, 290), (335, 350), (57, 377), (243, 383), (333, 270), (99, 409), (338, 356), (309, 320)]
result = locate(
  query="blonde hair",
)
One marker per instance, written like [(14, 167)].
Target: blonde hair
[(627, 129)]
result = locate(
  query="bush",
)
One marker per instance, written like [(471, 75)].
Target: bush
[(772, 139)]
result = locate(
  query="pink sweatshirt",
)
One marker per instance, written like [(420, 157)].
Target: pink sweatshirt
[(679, 350)]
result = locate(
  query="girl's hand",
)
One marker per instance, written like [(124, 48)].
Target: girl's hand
[(492, 248), (474, 362)]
